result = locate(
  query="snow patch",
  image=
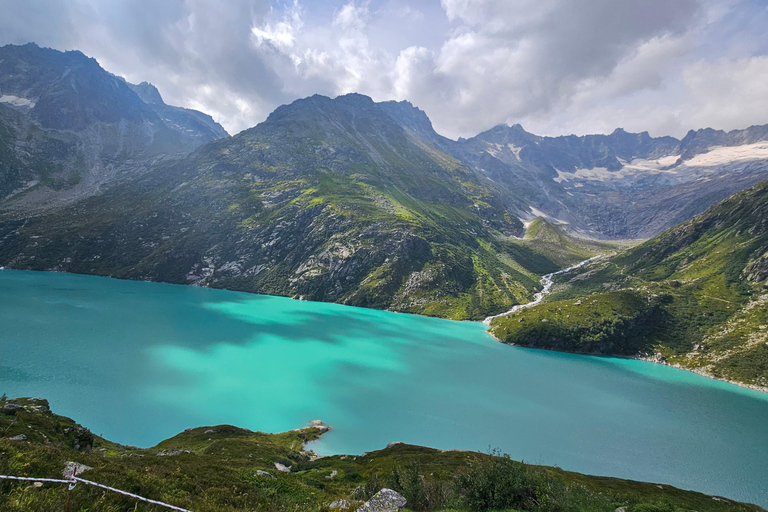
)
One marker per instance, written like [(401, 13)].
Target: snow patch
[(515, 150), (17, 101), (671, 166), (594, 174), (720, 155), (493, 148)]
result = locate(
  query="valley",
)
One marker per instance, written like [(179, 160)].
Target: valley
[(692, 297)]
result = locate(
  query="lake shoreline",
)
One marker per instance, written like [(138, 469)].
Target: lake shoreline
[(703, 373), (649, 359)]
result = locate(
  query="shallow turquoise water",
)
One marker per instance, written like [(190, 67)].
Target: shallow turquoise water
[(139, 362)]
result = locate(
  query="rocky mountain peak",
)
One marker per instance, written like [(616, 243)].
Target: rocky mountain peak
[(148, 93)]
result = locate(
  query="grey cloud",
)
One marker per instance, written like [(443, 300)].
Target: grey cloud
[(198, 52), (556, 65)]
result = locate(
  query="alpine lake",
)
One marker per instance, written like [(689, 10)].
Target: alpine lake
[(138, 362)]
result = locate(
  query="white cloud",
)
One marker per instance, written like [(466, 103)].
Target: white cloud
[(727, 93), (554, 65), (280, 35)]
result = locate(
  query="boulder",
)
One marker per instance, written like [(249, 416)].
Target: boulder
[(281, 468), (333, 475), (20, 437), (83, 440), (264, 474), (11, 408), (340, 504), (386, 500), (322, 427), (73, 468)]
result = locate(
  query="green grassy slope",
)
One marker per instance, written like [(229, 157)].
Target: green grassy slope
[(563, 248), (215, 469), (696, 295)]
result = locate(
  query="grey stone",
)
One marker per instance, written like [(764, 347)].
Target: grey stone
[(70, 468), (172, 453), (11, 408), (386, 500), (394, 443), (333, 475), (209, 431), (264, 474), (342, 504), (281, 468), (318, 424), (20, 437)]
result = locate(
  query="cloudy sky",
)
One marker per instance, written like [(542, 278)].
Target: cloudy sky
[(555, 66)]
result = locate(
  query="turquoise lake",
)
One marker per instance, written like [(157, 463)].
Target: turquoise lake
[(138, 362)]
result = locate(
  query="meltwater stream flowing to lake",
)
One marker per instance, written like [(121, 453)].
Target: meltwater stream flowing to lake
[(138, 362), (547, 281)]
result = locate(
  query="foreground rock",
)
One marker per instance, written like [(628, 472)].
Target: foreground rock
[(282, 468), (386, 500), (74, 468)]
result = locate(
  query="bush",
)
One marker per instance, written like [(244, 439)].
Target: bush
[(497, 482), (372, 486), (410, 484)]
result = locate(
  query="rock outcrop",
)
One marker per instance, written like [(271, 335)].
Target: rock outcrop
[(386, 500)]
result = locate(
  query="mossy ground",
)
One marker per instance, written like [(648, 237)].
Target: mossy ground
[(219, 473)]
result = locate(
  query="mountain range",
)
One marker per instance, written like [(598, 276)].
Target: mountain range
[(344, 199)]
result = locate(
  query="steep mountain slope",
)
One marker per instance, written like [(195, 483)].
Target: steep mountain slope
[(328, 199), (695, 296), (51, 99), (30, 155), (621, 185)]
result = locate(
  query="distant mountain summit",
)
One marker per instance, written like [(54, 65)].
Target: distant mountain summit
[(71, 128), (69, 91)]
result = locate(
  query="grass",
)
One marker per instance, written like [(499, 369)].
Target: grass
[(216, 471), (611, 322)]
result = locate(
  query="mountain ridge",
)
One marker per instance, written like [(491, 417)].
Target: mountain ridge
[(337, 199)]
